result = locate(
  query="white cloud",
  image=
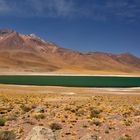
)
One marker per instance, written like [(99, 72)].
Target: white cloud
[(53, 7), (95, 9), (41, 8)]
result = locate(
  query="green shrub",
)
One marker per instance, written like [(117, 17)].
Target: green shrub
[(25, 108), (85, 126), (55, 126), (126, 137), (39, 116), (127, 122), (79, 113), (107, 131), (2, 121), (96, 122), (94, 113), (7, 135)]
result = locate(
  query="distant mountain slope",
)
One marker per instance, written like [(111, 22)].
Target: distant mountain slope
[(29, 53)]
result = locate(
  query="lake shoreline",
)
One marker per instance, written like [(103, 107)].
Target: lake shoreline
[(69, 90), (61, 74)]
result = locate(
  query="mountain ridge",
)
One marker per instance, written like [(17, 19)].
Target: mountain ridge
[(31, 54)]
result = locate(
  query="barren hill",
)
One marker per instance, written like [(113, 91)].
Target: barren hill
[(30, 54)]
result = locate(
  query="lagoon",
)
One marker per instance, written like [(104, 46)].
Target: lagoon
[(71, 81)]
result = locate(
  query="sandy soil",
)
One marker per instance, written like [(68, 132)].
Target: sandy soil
[(108, 113), (68, 90)]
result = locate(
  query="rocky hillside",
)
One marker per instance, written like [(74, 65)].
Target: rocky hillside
[(28, 53)]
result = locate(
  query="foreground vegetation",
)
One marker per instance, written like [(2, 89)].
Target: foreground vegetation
[(108, 117)]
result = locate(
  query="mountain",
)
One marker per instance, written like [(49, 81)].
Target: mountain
[(30, 54)]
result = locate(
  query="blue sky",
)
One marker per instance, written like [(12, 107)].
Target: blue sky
[(85, 25)]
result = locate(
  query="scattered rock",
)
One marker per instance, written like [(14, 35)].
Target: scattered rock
[(89, 137), (115, 117), (136, 110), (137, 107), (41, 133)]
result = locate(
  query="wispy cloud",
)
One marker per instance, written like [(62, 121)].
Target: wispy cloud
[(92, 9), (54, 8), (123, 9), (42, 8), (110, 9), (4, 7)]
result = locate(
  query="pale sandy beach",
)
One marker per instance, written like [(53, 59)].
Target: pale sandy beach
[(68, 74)]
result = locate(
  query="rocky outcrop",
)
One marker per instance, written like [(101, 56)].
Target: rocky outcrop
[(41, 133), (89, 137), (6, 31), (44, 133), (40, 109)]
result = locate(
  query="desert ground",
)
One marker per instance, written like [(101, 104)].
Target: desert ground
[(107, 113)]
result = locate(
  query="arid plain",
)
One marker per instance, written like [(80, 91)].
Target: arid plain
[(108, 114)]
